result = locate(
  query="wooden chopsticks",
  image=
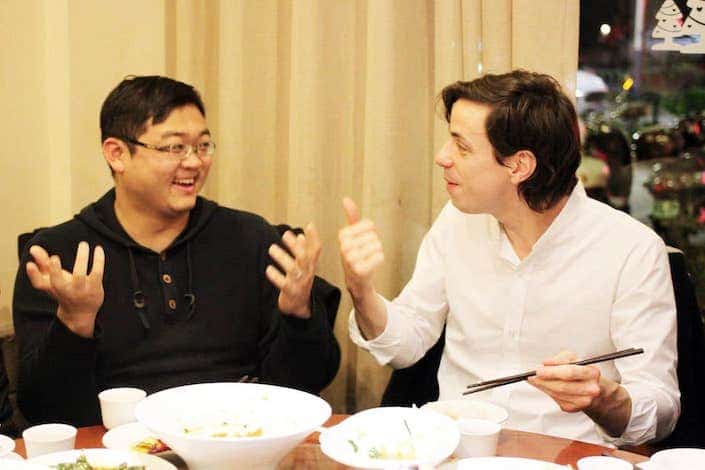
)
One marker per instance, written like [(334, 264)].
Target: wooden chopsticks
[(487, 384)]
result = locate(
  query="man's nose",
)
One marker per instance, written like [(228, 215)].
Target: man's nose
[(443, 156), (191, 159)]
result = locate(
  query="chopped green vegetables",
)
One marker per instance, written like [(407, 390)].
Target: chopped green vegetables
[(82, 463)]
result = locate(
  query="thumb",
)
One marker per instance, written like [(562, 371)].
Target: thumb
[(352, 213)]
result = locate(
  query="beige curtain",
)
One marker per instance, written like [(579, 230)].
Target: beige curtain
[(309, 100)]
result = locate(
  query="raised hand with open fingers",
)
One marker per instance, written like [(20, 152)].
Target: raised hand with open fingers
[(79, 294), (360, 249), (297, 268)]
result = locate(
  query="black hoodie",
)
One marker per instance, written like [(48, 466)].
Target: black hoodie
[(201, 311)]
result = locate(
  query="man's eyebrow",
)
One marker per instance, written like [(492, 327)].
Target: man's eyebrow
[(183, 134), (459, 137)]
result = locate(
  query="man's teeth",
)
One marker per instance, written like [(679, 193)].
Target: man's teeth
[(185, 181)]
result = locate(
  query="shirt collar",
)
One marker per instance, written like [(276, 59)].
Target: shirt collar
[(560, 231)]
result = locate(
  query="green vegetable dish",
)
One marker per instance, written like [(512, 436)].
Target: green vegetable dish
[(82, 463)]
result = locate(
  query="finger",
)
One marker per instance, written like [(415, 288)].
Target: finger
[(352, 231), (40, 256), (56, 275), (563, 357), (352, 213), (275, 277), (282, 258), (314, 241), (355, 243), (98, 264), (80, 266), (36, 277), (568, 391), (364, 252), (295, 244), (568, 372)]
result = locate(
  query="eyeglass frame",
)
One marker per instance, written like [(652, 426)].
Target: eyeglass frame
[(190, 148)]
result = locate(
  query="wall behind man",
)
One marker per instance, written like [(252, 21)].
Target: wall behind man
[(308, 100)]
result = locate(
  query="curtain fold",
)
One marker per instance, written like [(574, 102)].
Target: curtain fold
[(308, 100)]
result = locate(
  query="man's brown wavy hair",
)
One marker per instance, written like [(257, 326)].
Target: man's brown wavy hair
[(529, 112)]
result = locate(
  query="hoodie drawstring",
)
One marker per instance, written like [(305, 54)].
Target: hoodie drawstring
[(138, 298), (189, 296)]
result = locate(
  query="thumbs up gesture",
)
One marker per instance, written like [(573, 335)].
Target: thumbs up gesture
[(360, 250)]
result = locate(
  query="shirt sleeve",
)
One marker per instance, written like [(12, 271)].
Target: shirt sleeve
[(295, 352), (56, 380), (415, 319), (644, 315)]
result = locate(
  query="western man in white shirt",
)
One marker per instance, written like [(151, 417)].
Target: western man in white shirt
[(526, 272)]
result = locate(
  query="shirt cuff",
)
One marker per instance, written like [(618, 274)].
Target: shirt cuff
[(385, 346), (643, 420), (66, 343)]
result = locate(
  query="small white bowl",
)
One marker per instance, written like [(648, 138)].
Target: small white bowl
[(48, 438), (469, 409), (117, 405), (7, 445), (478, 438)]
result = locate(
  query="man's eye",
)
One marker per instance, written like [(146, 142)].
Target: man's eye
[(176, 148), (204, 146)]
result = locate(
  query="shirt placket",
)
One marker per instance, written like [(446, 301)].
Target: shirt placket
[(514, 304), (169, 291)]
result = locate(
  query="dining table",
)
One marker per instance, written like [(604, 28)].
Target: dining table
[(512, 443)]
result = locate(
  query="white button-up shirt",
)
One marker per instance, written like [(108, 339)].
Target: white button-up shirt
[(595, 282)]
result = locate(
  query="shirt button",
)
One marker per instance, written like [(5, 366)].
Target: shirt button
[(162, 256), (172, 304), (166, 278)]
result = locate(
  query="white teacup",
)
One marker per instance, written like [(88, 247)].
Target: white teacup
[(678, 459), (117, 405), (599, 462), (7, 445), (48, 438), (478, 438)]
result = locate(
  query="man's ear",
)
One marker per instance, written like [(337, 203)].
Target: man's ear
[(522, 165), (115, 152)]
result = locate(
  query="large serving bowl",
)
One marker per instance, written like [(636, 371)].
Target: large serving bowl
[(190, 420), (381, 438)]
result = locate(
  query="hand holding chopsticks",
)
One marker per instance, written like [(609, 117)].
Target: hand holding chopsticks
[(488, 384)]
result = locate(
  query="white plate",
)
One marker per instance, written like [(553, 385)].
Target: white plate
[(106, 457), (128, 435), (507, 463), (432, 435), (10, 462)]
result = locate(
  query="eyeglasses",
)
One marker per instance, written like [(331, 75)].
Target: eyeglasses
[(180, 151)]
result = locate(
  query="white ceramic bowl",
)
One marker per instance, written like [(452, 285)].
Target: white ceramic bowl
[(678, 459), (507, 463), (391, 438), (103, 458), (285, 417), (469, 409), (7, 445)]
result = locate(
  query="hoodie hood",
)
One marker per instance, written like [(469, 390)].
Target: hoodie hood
[(100, 216)]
